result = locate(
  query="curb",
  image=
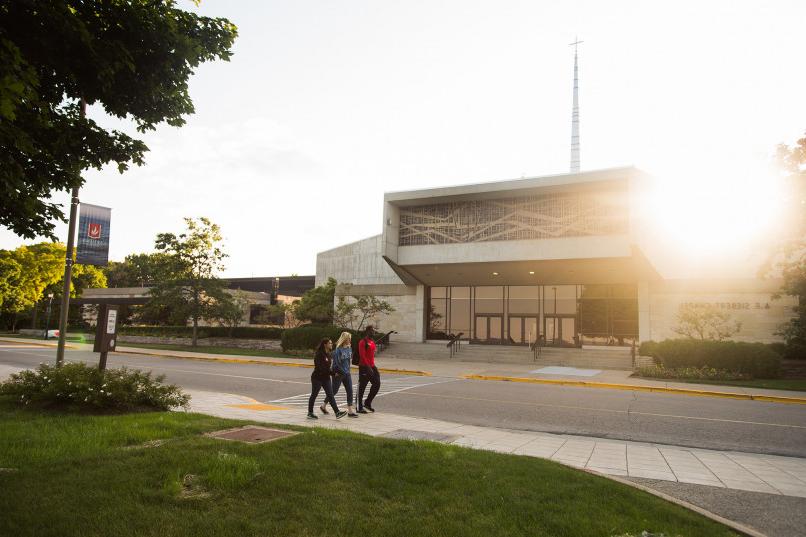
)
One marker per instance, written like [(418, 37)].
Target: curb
[(741, 528), (640, 388), (264, 362), (26, 342)]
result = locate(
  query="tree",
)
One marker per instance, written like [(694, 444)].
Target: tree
[(28, 273), (194, 292), (358, 310), (281, 313), (25, 273), (133, 58), (139, 270), (230, 311), (316, 305), (705, 322), (791, 258)]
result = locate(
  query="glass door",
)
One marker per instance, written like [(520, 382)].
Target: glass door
[(488, 328), (522, 329), (560, 330)]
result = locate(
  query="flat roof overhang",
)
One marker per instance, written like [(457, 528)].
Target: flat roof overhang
[(605, 270), (608, 179)]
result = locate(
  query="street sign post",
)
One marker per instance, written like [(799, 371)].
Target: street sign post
[(106, 332)]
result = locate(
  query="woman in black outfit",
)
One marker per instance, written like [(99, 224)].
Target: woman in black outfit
[(320, 378)]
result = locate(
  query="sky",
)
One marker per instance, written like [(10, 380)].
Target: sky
[(326, 105)]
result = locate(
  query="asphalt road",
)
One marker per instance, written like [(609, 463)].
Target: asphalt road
[(704, 422)]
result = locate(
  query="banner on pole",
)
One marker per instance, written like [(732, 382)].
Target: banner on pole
[(93, 235)]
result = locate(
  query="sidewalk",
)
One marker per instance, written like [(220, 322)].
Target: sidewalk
[(453, 368), (740, 471)]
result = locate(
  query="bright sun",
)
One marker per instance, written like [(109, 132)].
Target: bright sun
[(718, 212)]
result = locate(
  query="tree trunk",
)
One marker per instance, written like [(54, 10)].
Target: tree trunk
[(195, 329), (34, 312)]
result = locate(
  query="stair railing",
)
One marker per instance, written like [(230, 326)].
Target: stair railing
[(455, 343), (537, 347)]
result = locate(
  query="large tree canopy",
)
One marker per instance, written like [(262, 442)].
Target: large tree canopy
[(132, 57)]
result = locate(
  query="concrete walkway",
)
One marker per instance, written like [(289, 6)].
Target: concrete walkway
[(455, 368), (740, 471)]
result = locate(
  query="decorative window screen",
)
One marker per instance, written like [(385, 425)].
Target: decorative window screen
[(529, 217)]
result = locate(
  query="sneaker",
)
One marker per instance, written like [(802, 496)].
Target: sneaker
[(353, 415), (368, 407), (340, 414), (323, 409), (312, 416), (362, 411)]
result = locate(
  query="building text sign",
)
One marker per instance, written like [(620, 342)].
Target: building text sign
[(729, 305)]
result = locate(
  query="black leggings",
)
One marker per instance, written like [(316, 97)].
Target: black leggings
[(368, 375), (316, 385)]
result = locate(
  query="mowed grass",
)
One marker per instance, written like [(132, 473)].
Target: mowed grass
[(211, 350), (67, 475), (767, 384)]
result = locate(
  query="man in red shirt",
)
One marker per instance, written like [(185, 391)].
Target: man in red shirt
[(367, 372)]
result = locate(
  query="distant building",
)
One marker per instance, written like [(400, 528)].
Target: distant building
[(259, 292)]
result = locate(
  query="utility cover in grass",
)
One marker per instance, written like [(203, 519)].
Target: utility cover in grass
[(251, 434)]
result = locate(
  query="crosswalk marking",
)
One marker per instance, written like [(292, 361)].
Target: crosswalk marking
[(389, 385)]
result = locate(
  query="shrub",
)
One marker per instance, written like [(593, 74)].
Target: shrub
[(753, 359), (309, 336), (79, 386), (690, 373), (239, 332), (647, 348), (778, 348)]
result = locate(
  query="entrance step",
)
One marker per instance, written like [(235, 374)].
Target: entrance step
[(596, 358)]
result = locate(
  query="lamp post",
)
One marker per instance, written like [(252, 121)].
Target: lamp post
[(47, 317)]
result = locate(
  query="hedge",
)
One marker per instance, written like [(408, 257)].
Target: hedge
[(754, 359), (239, 332), (308, 337)]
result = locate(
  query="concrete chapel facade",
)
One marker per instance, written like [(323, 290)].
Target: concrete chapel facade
[(556, 259)]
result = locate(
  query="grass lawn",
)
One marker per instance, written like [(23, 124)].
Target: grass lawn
[(71, 475), (212, 350), (770, 384)]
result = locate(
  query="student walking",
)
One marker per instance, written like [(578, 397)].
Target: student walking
[(342, 356), (320, 378), (367, 372)]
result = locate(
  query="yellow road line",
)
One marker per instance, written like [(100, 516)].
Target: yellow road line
[(643, 388), (264, 362), (37, 344)]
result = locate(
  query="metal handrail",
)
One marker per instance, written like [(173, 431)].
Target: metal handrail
[(537, 347), (455, 343)]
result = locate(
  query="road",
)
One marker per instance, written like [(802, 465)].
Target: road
[(713, 423)]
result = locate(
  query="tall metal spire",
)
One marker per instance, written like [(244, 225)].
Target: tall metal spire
[(575, 158)]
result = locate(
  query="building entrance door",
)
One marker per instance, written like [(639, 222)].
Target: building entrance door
[(560, 330), (489, 328), (522, 329)]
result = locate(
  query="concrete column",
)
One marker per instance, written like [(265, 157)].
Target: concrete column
[(644, 328), (419, 312)]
